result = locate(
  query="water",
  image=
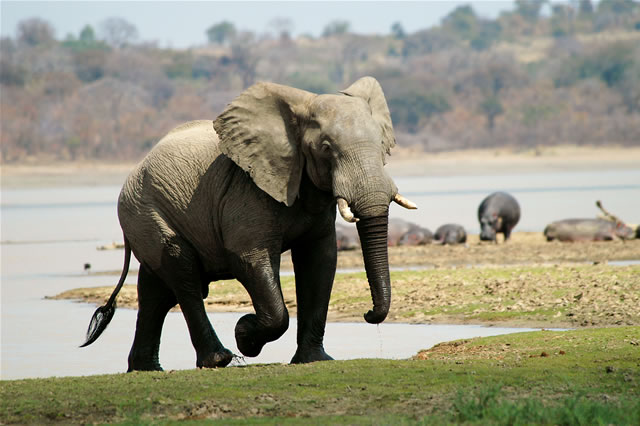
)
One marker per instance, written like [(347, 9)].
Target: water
[(49, 234), (543, 197)]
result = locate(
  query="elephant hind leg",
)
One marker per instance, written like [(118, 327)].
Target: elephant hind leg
[(155, 300), (181, 272)]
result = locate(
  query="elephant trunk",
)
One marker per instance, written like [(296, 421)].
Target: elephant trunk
[(373, 238)]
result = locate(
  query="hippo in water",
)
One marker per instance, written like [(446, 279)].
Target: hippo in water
[(450, 233), (587, 230), (499, 212), (403, 233)]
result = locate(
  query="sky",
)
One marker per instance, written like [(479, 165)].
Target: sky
[(182, 24)]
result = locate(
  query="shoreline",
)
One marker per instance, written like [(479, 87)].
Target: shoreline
[(402, 162), (408, 162)]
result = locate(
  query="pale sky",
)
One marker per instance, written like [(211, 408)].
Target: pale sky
[(184, 23)]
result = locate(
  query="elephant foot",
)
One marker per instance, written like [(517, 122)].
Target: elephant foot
[(216, 359), (252, 335), (246, 336), (305, 355), (137, 366), (143, 361)]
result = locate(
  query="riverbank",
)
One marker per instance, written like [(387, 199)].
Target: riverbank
[(402, 162), (527, 282)]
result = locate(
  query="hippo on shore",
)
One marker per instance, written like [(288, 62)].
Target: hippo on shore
[(450, 233), (498, 212), (347, 237), (403, 233), (587, 230)]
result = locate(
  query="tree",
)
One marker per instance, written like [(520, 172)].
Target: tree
[(118, 32), (585, 7), (35, 31), (283, 27), (462, 22), (561, 20), (337, 27), (244, 57), (408, 110), (87, 35), (491, 107), (398, 31), (221, 33), (617, 7), (427, 42), (529, 9), (89, 64), (486, 34)]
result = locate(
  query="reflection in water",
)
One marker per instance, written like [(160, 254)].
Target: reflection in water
[(40, 338)]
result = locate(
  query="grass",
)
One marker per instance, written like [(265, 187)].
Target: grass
[(589, 376)]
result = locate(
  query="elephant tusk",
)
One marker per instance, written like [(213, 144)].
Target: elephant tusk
[(345, 211), (407, 204)]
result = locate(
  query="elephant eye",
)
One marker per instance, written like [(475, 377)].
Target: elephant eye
[(325, 147)]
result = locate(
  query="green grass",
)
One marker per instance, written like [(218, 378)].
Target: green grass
[(589, 376)]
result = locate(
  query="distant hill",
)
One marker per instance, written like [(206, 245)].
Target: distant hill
[(522, 80)]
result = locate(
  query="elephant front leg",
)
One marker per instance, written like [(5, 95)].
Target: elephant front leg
[(314, 264), (259, 273)]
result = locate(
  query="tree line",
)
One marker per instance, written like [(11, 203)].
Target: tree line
[(523, 80)]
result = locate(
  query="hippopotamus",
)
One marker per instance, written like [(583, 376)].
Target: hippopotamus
[(450, 233), (347, 237), (498, 212), (403, 233), (587, 230)]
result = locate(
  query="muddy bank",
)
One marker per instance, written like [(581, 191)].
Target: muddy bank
[(524, 248), (526, 282)]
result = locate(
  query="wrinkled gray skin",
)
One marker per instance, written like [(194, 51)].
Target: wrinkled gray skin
[(587, 230), (499, 212), (450, 233), (403, 233), (347, 237), (222, 199)]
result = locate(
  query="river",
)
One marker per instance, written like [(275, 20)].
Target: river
[(48, 234)]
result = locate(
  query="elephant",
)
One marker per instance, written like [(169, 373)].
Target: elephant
[(223, 199)]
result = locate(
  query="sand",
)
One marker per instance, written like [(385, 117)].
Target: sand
[(403, 162)]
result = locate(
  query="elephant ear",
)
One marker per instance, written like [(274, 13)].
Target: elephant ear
[(369, 89), (259, 132)]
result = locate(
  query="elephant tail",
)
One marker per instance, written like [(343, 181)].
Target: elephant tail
[(103, 315)]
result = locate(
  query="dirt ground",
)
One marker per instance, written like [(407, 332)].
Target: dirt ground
[(526, 282), (524, 248)]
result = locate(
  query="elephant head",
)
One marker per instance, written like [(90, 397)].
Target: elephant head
[(276, 133)]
